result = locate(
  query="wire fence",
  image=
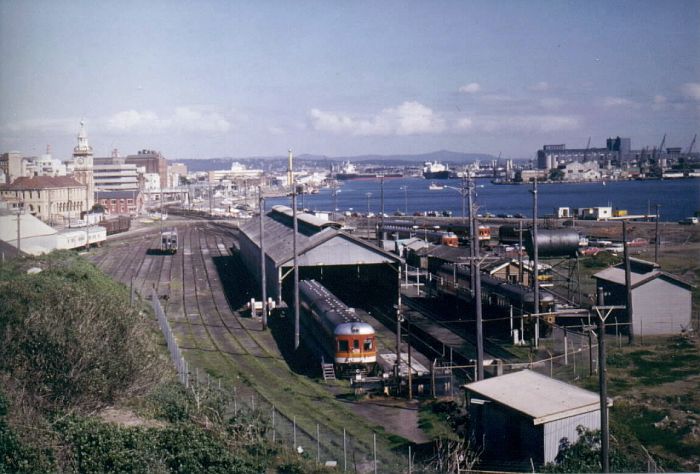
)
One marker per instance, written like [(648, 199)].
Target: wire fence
[(326, 445)]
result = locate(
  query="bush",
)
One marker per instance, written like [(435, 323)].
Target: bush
[(70, 339)]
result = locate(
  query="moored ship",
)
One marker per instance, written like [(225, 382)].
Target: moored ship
[(435, 170)]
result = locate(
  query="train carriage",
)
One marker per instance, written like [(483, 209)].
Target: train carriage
[(168, 241), (335, 332)]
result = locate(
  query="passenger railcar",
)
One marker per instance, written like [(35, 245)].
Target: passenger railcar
[(168, 241), (495, 292), (335, 332)]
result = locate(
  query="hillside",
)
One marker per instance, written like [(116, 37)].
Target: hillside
[(86, 385)]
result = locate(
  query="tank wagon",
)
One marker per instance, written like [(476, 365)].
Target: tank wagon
[(551, 242), (168, 241), (334, 332)]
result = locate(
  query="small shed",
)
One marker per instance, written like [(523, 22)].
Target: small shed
[(524, 416), (661, 302)]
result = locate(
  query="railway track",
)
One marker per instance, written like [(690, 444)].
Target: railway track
[(215, 337)]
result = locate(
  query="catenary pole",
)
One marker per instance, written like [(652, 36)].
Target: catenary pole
[(535, 253)]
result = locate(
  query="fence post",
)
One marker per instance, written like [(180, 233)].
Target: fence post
[(374, 444), (318, 446), (345, 453), (274, 433)]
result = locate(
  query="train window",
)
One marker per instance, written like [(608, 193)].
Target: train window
[(368, 344), (355, 344), (343, 345)]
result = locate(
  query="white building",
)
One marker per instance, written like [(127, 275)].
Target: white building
[(36, 238)]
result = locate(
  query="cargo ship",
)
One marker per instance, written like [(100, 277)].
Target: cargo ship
[(435, 170)]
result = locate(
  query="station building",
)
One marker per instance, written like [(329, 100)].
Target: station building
[(345, 264)]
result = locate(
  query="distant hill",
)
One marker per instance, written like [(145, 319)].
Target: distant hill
[(445, 156)]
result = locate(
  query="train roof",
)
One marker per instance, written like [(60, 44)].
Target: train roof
[(344, 319)]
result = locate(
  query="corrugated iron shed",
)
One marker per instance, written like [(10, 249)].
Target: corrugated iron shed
[(537, 396)]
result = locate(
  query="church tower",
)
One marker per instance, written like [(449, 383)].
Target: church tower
[(82, 165)]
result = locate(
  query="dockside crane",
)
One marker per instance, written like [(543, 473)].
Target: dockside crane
[(692, 144), (585, 152)]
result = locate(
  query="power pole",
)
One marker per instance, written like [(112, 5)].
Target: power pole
[(628, 284), (476, 282), (603, 313), (535, 255), (294, 250), (657, 234), (19, 214), (263, 276)]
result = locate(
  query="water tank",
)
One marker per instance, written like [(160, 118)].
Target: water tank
[(553, 243)]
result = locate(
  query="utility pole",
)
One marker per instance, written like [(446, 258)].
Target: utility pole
[(20, 205), (476, 281), (603, 313), (628, 284), (657, 234), (399, 319), (263, 276), (294, 250), (368, 196), (535, 265), (520, 252), (380, 233)]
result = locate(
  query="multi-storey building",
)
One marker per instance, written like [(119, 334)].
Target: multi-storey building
[(50, 198), (152, 162)]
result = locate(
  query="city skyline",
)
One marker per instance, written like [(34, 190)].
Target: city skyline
[(214, 79)]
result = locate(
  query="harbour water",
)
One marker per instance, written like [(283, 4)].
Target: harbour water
[(678, 198)]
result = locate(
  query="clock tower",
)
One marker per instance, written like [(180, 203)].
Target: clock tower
[(82, 166)]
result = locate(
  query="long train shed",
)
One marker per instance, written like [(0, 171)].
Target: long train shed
[(348, 266)]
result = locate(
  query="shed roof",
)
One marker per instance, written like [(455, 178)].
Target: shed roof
[(339, 248), (537, 396), (616, 275)]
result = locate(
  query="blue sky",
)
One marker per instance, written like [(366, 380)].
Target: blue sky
[(198, 79)]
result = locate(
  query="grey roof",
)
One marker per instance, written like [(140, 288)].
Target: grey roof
[(617, 275), (446, 253), (279, 241), (537, 396)]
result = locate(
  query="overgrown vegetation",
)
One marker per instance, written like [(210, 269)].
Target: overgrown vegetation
[(584, 455), (71, 345)]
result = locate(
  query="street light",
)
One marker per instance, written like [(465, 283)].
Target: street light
[(368, 196), (405, 199)]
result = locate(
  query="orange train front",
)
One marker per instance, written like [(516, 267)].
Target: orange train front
[(334, 332)]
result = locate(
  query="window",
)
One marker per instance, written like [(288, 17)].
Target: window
[(368, 344), (343, 345), (355, 344)]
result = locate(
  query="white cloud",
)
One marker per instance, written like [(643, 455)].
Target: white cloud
[(551, 102), (276, 130), (409, 118), (183, 119), (611, 102), (660, 99), (471, 88), (465, 123), (519, 123), (539, 87), (57, 125), (692, 90), (497, 98)]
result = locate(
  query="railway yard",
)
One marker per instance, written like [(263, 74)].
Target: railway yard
[(204, 293), (204, 288)]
